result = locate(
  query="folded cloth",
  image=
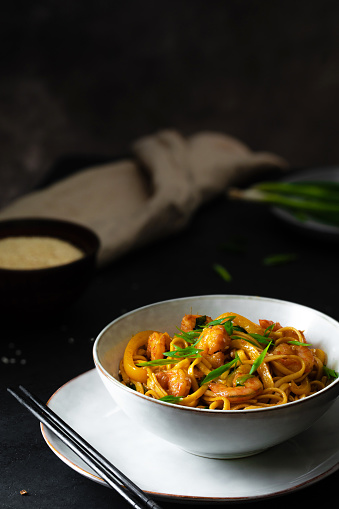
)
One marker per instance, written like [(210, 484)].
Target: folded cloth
[(152, 194)]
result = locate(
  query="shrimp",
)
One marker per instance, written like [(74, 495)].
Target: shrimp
[(267, 323), (250, 388), (188, 322), (214, 339), (301, 351), (175, 382), (158, 343), (285, 331), (216, 359)]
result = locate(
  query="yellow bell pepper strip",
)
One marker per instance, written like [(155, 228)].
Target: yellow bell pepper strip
[(134, 372)]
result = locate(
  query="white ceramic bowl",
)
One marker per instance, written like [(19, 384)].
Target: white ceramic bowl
[(216, 433)]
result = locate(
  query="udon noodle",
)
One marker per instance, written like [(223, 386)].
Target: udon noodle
[(229, 363)]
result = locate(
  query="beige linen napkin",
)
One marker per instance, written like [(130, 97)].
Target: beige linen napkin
[(153, 194)]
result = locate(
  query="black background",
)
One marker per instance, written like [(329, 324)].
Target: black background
[(91, 77)]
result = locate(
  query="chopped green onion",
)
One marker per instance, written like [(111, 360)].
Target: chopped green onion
[(330, 373), (157, 362), (260, 359), (234, 336), (279, 259), (221, 321), (239, 329), (189, 336), (170, 399), (298, 343), (268, 330), (240, 381), (200, 322), (228, 326), (192, 336), (219, 371), (226, 276), (225, 321), (189, 351), (259, 338)]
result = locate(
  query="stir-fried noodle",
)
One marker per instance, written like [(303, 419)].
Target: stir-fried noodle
[(229, 363)]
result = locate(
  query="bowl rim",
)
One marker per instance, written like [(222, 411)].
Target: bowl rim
[(45, 221), (329, 388)]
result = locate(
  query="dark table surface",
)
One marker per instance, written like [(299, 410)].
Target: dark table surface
[(45, 356)]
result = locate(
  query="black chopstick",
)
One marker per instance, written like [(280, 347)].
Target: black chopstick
[(106, 470)]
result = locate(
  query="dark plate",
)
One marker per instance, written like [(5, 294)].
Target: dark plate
[(310, 227)]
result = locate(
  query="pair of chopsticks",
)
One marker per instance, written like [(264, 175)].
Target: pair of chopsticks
[(106, 470)]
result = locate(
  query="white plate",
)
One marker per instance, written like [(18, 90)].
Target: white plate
[(170, 473), (327, 174)]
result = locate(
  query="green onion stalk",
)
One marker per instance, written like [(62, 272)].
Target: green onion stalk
[(318, 201)]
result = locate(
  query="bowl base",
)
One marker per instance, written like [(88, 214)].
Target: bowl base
[(226, 456)]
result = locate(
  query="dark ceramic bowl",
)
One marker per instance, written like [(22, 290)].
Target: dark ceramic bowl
[(39, 293)]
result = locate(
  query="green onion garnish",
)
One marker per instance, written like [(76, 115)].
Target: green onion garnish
[(221, 321), (157, 362), (220, 269), (260, 338), (215, 373), (298, 343), (268, 330), (189, 336), (330, 373), (200, 322), (259, 360), (239, 329), (170, 399), (234, 336), (279, 259), (182, 353), (240, 381)]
